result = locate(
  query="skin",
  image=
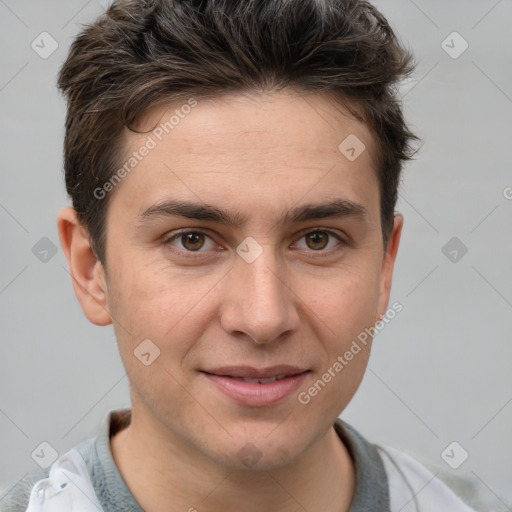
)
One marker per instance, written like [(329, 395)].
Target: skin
[(258, 155)]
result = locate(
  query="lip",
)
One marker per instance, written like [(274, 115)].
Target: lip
[(249, 372), (256, 394)]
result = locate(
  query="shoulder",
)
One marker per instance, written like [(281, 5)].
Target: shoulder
[(414, 487), (407, 485), (51, 490), (90, 461), (16, 496)]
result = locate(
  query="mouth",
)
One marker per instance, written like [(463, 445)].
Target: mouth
[(259, 381), (255, 387)]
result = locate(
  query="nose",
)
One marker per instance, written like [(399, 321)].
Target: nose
[(259, 302)]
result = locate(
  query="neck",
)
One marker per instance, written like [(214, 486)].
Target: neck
[(163, 474)]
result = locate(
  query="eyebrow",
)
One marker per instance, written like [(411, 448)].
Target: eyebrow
[(339, 208)]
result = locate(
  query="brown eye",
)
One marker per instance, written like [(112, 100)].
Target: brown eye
[(317, 240), (192, 241), (321, 241)]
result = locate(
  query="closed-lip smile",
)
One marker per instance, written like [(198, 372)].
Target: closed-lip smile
[(257, 387)]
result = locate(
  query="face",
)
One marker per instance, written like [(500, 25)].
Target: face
[(245, 246)]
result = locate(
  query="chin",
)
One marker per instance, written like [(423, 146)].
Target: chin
[(262, 450)]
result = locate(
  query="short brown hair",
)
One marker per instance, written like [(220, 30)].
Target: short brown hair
[(142, 53)]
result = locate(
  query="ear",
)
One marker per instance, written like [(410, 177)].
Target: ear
[(388, 264), (87, 273)]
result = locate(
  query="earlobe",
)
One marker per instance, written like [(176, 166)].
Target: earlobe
[(388, 264), (87, 272)]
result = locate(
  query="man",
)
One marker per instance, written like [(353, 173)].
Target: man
[(233, 169)]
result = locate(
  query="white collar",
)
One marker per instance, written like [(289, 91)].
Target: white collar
[(68, 488)]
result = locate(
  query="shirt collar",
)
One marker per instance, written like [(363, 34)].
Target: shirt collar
[(371, 484)]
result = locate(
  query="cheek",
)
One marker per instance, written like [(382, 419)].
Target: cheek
[(346, 316), (150, 305), (346, 301), (345, 307), (168, 307)]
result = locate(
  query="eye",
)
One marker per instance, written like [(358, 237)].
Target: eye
[(190, 241), (194, 241), (319, 240)]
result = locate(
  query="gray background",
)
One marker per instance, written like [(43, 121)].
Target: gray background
[(440, 372)]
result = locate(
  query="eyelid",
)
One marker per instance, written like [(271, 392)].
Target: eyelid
[(170, 237), (316, 229), (184, 231), (330, 232)]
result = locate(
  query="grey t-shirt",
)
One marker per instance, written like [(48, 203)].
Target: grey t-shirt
[(371, 491)]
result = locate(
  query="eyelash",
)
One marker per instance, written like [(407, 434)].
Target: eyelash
[(167, 241)]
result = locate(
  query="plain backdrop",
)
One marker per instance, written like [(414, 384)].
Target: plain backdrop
[(439, 372)]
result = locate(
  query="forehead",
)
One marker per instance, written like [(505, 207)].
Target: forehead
[(246, 122), (273, 145)]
